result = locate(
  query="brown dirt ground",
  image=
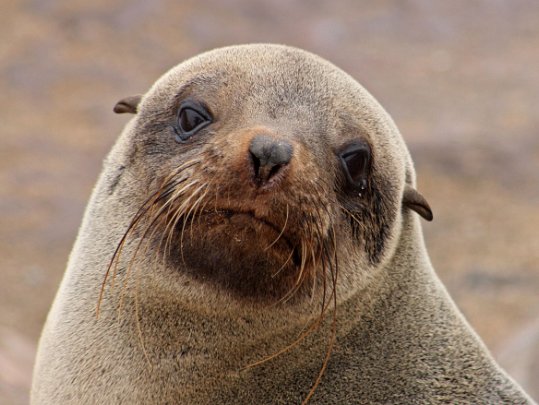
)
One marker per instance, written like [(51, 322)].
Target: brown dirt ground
[(460, 79)]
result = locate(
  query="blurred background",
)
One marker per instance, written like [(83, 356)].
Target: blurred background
[(460, 78)]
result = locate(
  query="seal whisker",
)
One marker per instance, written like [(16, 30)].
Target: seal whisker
[(194, 209), (325, 264), (167, 189), (177, 216), (303, 335), (169, 229), (313, 276), (204, 204), (301, 274), (181, 168), (284, 264), (321, 242), (282, 231), (164, 234), (161, 216), (304, 257), (179, 212), (286, 349), (184, 205), (117, 252), (310, 327), (150, 227), (143, 210), (333, 336), (166, 206), (131, 262)]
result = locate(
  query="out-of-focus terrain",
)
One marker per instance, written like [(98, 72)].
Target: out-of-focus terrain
[(460, 78)]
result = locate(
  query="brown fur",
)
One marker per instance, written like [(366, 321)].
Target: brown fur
[(225, 291)]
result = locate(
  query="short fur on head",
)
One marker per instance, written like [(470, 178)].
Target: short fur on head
[(251, 240)]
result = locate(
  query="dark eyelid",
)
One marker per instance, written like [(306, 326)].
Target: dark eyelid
[(195, 105), (354, 147)]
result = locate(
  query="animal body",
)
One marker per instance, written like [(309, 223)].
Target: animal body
[(254, 238)]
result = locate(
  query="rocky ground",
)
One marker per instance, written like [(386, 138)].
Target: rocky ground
[(460, 79)]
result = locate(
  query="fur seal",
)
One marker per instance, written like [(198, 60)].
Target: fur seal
[(253, 239)]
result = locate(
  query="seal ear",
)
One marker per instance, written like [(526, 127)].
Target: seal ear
[(416, 202), (128, 105)]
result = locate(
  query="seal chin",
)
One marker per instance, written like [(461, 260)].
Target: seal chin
[(236, 250)]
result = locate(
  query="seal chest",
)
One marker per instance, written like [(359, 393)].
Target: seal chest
[(252, 239)]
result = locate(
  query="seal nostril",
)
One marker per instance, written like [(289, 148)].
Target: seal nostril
[(268, 156), (274, 171), (256, 164)]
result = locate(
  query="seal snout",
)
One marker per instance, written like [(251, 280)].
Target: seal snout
[(269, 157)]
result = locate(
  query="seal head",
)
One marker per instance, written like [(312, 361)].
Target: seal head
[(266, 166)]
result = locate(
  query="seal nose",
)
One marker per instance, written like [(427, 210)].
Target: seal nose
[(268, 157)]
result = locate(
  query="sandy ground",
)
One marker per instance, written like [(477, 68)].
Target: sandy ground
[(460, 79)]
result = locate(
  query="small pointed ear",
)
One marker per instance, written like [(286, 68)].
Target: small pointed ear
[(127, 105), (416, 202)]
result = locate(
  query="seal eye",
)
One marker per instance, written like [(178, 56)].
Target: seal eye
[(192, 117), (355, 159)]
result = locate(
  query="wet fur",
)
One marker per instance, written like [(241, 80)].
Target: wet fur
[(314, 294)]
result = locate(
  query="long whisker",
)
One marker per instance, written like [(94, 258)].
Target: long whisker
[(194, 209), (138, 216), (142, 211), (142, 239), (284, 265), (309, 328), (168, 220), (301, 337), (333, 336), (297, 285), (178, 213), (169, 230), (186, 204), (151, 227), (282, 231)]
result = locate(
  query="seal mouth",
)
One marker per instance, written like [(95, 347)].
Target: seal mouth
[(248, 218), (231, 214)]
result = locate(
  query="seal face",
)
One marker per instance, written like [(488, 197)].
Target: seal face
[(265, 172)]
